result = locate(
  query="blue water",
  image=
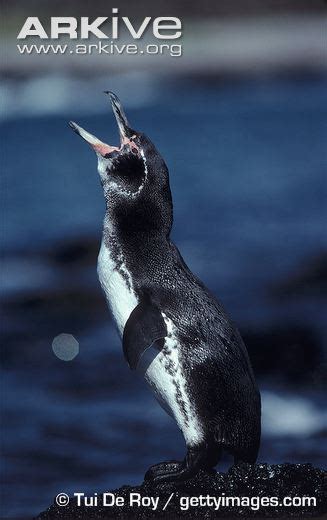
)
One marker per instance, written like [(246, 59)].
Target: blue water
[(248, 175)]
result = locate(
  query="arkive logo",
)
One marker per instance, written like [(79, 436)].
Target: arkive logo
[(102, 27), (104, 32)]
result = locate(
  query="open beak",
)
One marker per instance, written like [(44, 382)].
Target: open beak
[(125, 131), (97, 145)]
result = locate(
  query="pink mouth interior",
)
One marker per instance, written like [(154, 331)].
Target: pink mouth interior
[(105, 149)]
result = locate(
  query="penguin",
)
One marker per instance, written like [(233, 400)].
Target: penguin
[(173, 330)]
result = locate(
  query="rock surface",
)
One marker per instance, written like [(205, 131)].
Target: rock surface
[(251, 481)]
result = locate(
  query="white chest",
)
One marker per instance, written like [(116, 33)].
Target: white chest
[(163, 371), (117, 285), (165, 375)]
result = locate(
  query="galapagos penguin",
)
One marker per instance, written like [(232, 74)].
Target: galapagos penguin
[(173, 329)]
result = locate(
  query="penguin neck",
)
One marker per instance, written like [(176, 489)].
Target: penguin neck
[(143, 245)]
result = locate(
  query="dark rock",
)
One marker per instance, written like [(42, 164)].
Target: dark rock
[(78, 252), (291, 353), (49, 310), (31, 320), (254, 482), (309, 279)]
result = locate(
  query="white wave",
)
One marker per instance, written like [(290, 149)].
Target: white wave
[(59, 94), (291, 415)]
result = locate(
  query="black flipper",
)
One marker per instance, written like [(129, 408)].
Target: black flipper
[(144, 326)]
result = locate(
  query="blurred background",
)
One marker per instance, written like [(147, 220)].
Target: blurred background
[(240, 119)]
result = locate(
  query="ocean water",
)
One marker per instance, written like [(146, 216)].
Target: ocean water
[(247, 168)]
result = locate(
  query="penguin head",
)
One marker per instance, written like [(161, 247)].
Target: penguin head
[(134, 178)]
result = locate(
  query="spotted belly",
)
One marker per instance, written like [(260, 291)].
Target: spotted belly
[(164, 374), (162, 370)]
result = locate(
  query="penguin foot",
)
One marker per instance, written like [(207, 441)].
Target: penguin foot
[(171, 471), (163, 468)]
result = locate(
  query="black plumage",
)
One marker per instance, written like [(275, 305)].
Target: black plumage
[(210, 378)]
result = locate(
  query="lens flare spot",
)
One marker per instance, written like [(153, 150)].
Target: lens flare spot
[(65, 347)]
